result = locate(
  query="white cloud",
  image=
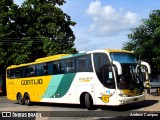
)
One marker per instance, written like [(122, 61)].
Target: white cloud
[(108, 21), (87, 42), (94, 8), (130, 18)]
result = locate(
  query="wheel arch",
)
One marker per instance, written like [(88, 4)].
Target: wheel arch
[(82, 98)]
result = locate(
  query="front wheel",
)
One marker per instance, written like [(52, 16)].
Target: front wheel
[(88, 101), (27, 100)]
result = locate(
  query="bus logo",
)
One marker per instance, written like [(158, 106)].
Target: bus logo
[(31, 82), (105, 98)]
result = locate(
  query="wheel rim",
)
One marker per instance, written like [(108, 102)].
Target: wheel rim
[(26, 100), (19, 98)]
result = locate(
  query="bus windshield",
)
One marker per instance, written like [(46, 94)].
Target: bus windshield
[(131, 77), (123, 57)]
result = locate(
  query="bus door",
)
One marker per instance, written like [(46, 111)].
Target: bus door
[(104, 72)]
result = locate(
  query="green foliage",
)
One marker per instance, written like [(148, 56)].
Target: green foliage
[(21, 51), (35, 29), (145, 40)]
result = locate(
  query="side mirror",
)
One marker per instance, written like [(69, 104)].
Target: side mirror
[(147, 65), (119, 68)]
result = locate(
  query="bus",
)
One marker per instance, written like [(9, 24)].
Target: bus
[(100, 77)]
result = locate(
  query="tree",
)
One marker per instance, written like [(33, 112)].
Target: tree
[(145, 40), (35, 29), (7, 8), (49, 26)]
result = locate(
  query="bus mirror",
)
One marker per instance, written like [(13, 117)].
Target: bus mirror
[(119, 68), (147, 65)]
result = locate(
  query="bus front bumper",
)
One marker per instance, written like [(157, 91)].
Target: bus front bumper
[(127, 100)]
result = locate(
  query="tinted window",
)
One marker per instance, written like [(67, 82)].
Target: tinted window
[(76, 64), (104, 70), (67, 66), (123, 57), (39, 69), (56, 67), (50, 68), (83, 64), (21, 71), (29, 71), (10, 73), (45, 69)]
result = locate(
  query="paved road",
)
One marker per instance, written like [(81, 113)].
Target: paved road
[(60, 111)]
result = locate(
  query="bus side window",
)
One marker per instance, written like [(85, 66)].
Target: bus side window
[(56, 69), (84, 64), (50, 68), (70, 65), (21, 72), (81, 64), (45, 69), (29, 71), (9, 74), (16, 73), (62, 67), (26, 72), (32, 71), (38, 70), (104, 69)]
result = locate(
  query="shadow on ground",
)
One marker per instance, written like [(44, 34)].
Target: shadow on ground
[(129, 118), (128, 107)]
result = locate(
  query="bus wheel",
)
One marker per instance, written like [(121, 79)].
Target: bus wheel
[(27, 100), (88, 101), (20, 99)]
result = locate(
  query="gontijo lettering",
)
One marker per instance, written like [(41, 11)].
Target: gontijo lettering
[(31, 82)]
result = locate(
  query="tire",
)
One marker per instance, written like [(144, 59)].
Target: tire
[(27, 100), (20, 99), (88, 101)]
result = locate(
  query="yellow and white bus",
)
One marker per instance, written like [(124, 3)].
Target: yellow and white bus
[(100, 77)]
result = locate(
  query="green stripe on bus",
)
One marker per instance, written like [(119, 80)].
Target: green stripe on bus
[(64, 85), (59, 85), (52, 87)]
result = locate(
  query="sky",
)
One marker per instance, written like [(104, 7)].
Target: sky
[(105, 24)]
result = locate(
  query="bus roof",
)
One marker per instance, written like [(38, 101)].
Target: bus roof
[(53, 57), (41, 60), (47, 59), (62, 56), (118, 50)]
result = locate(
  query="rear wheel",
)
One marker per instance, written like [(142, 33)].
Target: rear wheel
[(88, 101), (20, 99), (27, 100)]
